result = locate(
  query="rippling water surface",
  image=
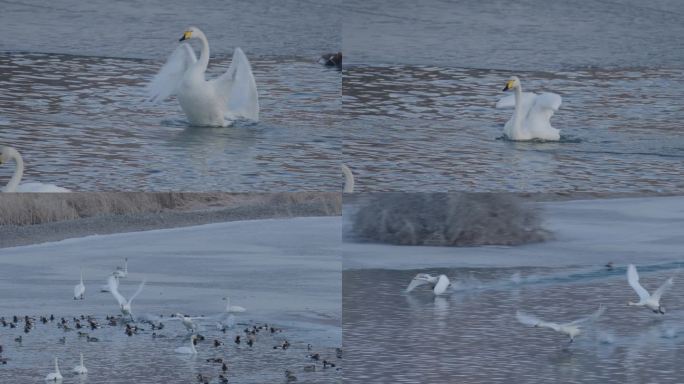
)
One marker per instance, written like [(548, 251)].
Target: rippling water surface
[(472, 335), (427, 128), (82, 123)]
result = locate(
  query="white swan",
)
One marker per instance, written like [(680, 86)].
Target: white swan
[(231, 96), (79, 289), (121, 273), (439, 283), (81, 368), (532, 115), (572, 329), (187, 321), (232, 308), (8, 154), (647, 300), (348, 179), (55, 376), (124, 305), (188, 350)]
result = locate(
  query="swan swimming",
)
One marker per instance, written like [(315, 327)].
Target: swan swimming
[(188, 350), (8, 154), (55, 376), (232, 308), (647, 300), (572, 329), (532, 115), (79, 289), (124, 305), (348, 179), (216, 102), (439, 283), (81, 368)]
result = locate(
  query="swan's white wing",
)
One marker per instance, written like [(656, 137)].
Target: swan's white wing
[(113, 285), (442, 285), (546, 104), (165, 83), (659, 292), (526, 101), (235, 308), (593, 317), (533, 321), (633, 279), (237, 88), (140, 288), (416, 282), (40, 188)]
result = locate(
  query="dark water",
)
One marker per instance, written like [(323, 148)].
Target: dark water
[(434, 129), (472, 336), (76, 113)]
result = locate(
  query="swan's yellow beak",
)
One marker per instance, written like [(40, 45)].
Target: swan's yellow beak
[(509, 85), (186, 35)]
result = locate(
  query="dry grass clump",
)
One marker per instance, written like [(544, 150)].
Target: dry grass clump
[(449, 219)]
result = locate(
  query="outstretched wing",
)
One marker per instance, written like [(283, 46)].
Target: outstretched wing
[(113, 285), (140, 288), (416, 282), (165, 83), (544, 105), (442, 285), (633, 280), (533, 321), (237, 88), (593, 317), (526, 101), (659, 292)]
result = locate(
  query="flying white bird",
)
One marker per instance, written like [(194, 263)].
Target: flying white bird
[(121, 273), (79, 289), (439, 283), (188, 350), (647, 300), (80, 369), (124, 305), (572, 329), (55, 376)]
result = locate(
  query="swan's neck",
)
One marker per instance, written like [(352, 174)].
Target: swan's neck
[(81, 284), (227, 304), (348, 179), (56, 366), (203, 61), (18, 172), (518, 106)]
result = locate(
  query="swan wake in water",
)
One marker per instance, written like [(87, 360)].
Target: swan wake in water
[(439, 283), (8, 154), (532, 114), (572, 329), (650, 301), (214, 103)]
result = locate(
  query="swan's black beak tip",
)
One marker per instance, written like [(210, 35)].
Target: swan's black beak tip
[(182, 38), (505, 88)]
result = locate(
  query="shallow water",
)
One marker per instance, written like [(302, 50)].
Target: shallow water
[(472, 335), (80, 122), (263, 265), (428, 128)]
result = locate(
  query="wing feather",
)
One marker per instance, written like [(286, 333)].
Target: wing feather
[(659, 292), (238, 88), (166, 81), (442, 285), (113, 285), (633, 280)]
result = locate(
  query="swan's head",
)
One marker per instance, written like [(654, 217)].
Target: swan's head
[(191, 33), (6, 154), (512, 83)]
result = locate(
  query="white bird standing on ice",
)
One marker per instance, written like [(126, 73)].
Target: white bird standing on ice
[(532, 116), (124, 305), (8, 154), (55, 376), (647, 300), (439, 283), (79, 289), (213, 103), (81, 368), (188, 350), (572, 329)]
